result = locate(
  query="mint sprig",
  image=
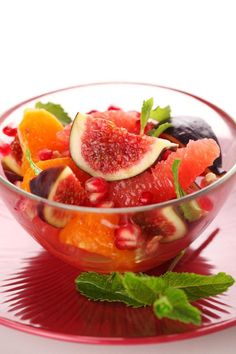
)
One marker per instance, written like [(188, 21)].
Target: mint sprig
[(102, 287), (169, 295), (191, 210), (159, 114), (145, 113), (160, 129), (143, 288), (197, 286), (174, 304), (33, 166), (56, 110)]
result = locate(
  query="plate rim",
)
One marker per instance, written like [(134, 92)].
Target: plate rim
[(118, 340)]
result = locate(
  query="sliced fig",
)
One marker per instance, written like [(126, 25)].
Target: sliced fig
[(102, 149), (12, 161), (10, 175), (57, 184), (165, 222), (192, 128)]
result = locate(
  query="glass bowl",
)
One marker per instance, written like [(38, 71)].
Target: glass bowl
[(87, 240)]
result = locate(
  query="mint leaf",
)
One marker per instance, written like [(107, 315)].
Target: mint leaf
[(145, 113), (173, 304), (175, 170), (169, 294), (56, 110), (160, 114), (104, 288), (143, 288), (160, 129), (34, 167), (191, 210), (198, 286)]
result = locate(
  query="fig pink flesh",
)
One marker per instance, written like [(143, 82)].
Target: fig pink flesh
[(104, 150), (127, 148)]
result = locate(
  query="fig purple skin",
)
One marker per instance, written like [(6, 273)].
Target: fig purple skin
[(12, 176), (61, 185), (187, 128), (42, 185)]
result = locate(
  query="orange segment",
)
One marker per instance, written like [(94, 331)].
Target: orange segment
[(63, 161), (95, 233), (38, 130)]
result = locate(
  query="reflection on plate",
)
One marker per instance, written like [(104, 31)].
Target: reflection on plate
[(37, 293)]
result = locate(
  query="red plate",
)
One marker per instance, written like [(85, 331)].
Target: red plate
[(37, 293)]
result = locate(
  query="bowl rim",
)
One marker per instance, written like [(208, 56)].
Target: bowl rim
[(173, 202)]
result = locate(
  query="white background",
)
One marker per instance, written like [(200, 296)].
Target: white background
[(185, 44)]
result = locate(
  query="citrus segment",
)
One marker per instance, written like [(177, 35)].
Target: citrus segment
[(64, 161), (38, 130), (195, 158), (95, 233), (129, 120)]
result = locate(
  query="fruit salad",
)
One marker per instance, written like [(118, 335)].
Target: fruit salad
[(113, 159)]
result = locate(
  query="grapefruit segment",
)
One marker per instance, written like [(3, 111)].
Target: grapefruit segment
[(129, 120), (195, 158), (102, 149)]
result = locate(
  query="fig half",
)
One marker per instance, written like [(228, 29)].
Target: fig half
[(165, 222), (13, 161), (57, 184), (102, 149)]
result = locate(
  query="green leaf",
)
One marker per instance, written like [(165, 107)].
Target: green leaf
[(161, 114), (99, 287), (191, 210), (145, 113), (160, 129), (175, 170), (198, 286), (34, 167), (173, 304), (143, 288), (169, 294), (56, 110)]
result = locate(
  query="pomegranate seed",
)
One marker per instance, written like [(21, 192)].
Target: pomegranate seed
[(113, 108), (153, 245), (128, 237), (9, 131), (106, 204), (96, 198), (166, 154), (45, 154), (96, 185), (146, 198), (92, 111), (5, 149)]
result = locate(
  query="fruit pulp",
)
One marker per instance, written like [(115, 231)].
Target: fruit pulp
[(115, 241)]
